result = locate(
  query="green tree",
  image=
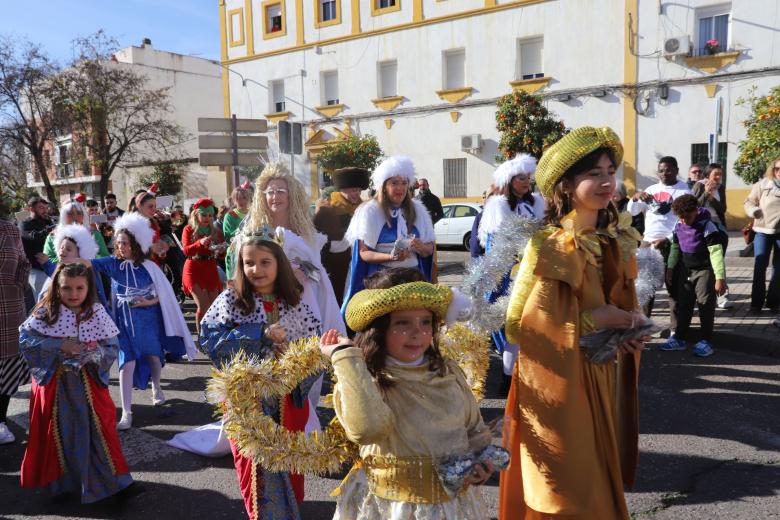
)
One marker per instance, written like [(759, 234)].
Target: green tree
[(167, 177), (356, 151), (762, 143), (526, 126)]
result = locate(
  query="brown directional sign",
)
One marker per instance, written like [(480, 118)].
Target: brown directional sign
[(226, 159), (243, 142), (218, 124)]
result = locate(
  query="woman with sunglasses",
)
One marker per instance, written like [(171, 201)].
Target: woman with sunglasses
[(512, 180), (763, 206)]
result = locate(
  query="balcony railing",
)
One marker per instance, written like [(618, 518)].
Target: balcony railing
[(65, 170), (705, 51)]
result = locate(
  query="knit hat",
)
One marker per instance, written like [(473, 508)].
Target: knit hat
[(369, 304), (395, 166), (522, 163), (350, 177), (83, 238), (138, 226), (572, 147)]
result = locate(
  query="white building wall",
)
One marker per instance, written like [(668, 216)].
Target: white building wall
[(195, 90), (584, 48)]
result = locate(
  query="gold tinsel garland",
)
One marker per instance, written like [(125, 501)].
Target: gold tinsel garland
[(238, 390), (470, 351)]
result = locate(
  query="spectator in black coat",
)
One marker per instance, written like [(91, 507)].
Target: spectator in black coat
[(429, 200)]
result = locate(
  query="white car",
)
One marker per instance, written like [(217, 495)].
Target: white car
[(454, 229)]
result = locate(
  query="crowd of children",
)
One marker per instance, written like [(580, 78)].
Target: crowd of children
[(571, 420)]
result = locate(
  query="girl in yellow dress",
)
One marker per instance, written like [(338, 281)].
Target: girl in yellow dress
[(405, 405), (571, 421)]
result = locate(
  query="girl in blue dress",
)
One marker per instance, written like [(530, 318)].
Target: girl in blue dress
[(149, 319), (391, 230), (512, 179)]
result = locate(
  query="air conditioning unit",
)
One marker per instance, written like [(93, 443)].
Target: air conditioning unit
[(679, 45), (469, 143)]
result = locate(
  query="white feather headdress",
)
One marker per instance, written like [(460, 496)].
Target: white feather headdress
[(70, 206), (138, 226), (395, 166), (522, 163), (82, 236)]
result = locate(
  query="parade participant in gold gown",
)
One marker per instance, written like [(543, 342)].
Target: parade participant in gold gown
[(571, 424)]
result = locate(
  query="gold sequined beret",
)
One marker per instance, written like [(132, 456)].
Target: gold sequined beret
[(572, 147), (370, 304)]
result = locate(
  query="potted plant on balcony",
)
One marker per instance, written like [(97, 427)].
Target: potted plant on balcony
[(712, 46)]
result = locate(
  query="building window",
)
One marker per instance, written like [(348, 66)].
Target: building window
[(388, 78), (277, 95), (62, 160), (236, 27), (327, 10), (712, 24), (330, 87), (700, 155), (454, 178), (273, 19), (384, 6), (529, 56), (454, 69)]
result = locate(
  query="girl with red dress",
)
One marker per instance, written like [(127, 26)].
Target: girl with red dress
[(69, 343), (201, 242)]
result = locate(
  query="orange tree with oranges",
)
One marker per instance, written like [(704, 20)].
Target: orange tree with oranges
[(355, 151), (526, 126), (762, 143)]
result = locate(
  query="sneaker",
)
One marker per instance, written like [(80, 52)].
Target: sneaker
[(158, 397), (125, 422), (703, 349), (673, 344), (6, 436), (724, 302), (776, 323)]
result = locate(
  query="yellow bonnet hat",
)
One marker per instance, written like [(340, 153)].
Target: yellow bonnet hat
[(369, 304), (572, 147)]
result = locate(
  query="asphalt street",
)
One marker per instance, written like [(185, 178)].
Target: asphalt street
[(710, 444)]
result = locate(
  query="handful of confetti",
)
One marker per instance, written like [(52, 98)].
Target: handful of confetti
[(454, 470)]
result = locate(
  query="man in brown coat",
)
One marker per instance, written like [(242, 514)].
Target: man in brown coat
[(332, 219)]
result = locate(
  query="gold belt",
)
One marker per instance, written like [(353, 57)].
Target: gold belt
[(403, 479)]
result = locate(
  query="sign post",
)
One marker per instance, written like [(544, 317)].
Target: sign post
[(291, 140), (232, 142)]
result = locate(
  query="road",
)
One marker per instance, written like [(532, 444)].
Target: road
[(710, 444)]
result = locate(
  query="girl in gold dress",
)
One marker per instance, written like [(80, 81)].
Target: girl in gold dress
[(405, 405), (571, 423)]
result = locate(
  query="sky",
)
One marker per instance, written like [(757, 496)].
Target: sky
[(183, 26)]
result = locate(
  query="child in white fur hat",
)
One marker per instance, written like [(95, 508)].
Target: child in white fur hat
[(71, 242), (392, 229), (145, 310), (512, 179)]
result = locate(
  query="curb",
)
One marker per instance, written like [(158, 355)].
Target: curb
[(755, 345)]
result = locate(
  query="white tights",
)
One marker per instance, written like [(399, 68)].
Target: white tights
[(126, 380), (510, 356)]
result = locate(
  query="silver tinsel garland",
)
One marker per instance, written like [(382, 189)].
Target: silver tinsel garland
[(650, 273), (484, 274)]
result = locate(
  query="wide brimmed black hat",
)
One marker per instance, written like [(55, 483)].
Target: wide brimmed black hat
[(350, 177)]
